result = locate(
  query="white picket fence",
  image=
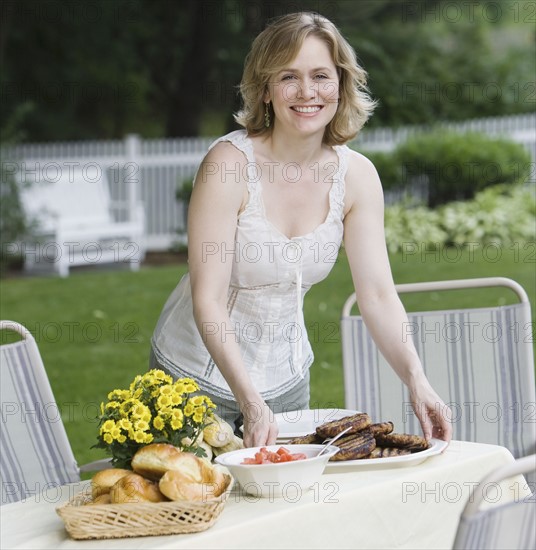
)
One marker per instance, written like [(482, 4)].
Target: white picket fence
[(152, 169)]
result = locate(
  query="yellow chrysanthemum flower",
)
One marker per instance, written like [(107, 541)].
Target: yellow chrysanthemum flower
[(135, 382), (163, 401), (139, 410), (197, 400), (176, 399), (176, 424), (154, 406), (159, 423), (108, 426), (119, 395), (148, 380), (142, 425), (139, 437), (126, 406), (166, 390), (125, 424)]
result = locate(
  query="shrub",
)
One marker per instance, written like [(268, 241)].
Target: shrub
[(419, 224), (184, 190), (13, 223), (183, 194), (388, 167), (457, 165), (502, 215)]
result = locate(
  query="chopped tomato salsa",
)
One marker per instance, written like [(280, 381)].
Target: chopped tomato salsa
[(264, 456)]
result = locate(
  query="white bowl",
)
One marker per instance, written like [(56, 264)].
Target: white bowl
[(278, 479)]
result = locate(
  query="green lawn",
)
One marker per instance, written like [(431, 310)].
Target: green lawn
[(94, 328)]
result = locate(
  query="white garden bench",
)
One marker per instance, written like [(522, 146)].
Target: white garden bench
[(75, 224)]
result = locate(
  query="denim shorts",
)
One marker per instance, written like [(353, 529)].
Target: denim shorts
[(295, 399)]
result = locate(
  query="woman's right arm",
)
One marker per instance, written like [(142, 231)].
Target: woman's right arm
[(219, 194)]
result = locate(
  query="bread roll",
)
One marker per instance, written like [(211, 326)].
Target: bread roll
[(153, 461), (101, 499), (134, 488), (202, 482), (102, 481)]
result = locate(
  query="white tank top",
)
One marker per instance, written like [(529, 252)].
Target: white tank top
[(270, 276)]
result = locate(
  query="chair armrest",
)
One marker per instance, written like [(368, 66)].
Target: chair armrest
[(97, 465), (522, 465)]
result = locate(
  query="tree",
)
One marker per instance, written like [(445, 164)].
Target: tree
[(13, 223), (105, 68)]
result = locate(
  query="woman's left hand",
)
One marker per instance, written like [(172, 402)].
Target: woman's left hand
[(433, 414)]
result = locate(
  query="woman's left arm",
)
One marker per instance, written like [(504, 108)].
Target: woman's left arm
[(378, 301)]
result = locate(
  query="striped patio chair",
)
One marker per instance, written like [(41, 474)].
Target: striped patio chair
[(509, 525), (35, 454), (480, 361)]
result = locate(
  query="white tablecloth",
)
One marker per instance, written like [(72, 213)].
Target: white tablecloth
[(405, 507)]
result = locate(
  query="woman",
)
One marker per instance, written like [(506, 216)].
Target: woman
[(271, 205)]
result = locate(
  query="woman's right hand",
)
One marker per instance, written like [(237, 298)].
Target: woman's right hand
[(260, 426)]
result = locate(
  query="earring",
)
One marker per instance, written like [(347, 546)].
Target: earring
[(266, 115)]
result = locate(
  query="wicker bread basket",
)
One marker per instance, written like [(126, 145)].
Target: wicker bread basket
[(108, 521)]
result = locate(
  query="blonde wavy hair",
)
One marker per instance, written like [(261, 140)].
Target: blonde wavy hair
[(277, 45)]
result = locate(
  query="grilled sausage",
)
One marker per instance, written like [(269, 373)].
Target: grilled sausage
[(385, 452), (381, 428), (354, 447), (412, 442), (356, 423), (306, 439)]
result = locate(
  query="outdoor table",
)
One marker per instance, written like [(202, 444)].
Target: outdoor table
[(415, 506)]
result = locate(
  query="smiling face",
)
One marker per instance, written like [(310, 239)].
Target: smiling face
[(305, 93)]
